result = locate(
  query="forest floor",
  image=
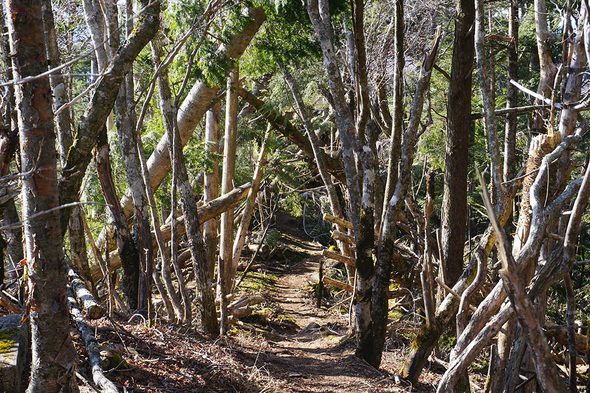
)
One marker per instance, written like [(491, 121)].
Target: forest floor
[(288, 345)]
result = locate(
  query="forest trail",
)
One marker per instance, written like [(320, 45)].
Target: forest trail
[(288, 345), (316, 355)]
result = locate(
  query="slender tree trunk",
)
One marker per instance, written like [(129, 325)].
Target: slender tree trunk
[(511, 93), (314, 141), (125, 114), (248, 212), (125, 244), (96, 26), (167, 109), (398, 105), (11, 241), (10, 252), (53, 354), (387, 234), (169, 114), (319, 14), (101, 104), (227, 178), (78, 252), (212, 182), (454, 205), (547, 68), (205, 299), (497, 379)]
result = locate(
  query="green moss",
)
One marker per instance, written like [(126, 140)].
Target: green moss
[(282, 318), (255, 281), (6, 340)]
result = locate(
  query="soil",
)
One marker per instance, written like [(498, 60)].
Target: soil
[(290, 346)]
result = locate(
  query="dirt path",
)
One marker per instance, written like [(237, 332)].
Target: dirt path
[(315, 357), (297, 348)]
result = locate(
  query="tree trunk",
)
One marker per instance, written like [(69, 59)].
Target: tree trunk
[(125, 244), (454, 205), (387, 234), (248, 212), (125, 115), (211, 183), (101, 104), (398, 105), (53, 355), (169, 113), (64, 129), (227, 180), (205, 299), (511, 93), (12, 239)]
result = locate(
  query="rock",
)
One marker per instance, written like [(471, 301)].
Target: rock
[(13, 354), (312, 327)]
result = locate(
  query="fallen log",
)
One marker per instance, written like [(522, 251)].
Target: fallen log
[(337, 284), (206, 212), (343, 237), (242, 307), (92, 348), (91, 308), (340, 258), (248, 300), (396, 293), (337, 220)]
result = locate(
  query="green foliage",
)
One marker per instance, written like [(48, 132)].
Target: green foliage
[(292, 204), (286, 37), (273, 236)]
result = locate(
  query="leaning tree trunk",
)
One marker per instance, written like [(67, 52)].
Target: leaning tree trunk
[(248, 212), (125, 244), (100, 106), (53, 354), (511, 93)]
